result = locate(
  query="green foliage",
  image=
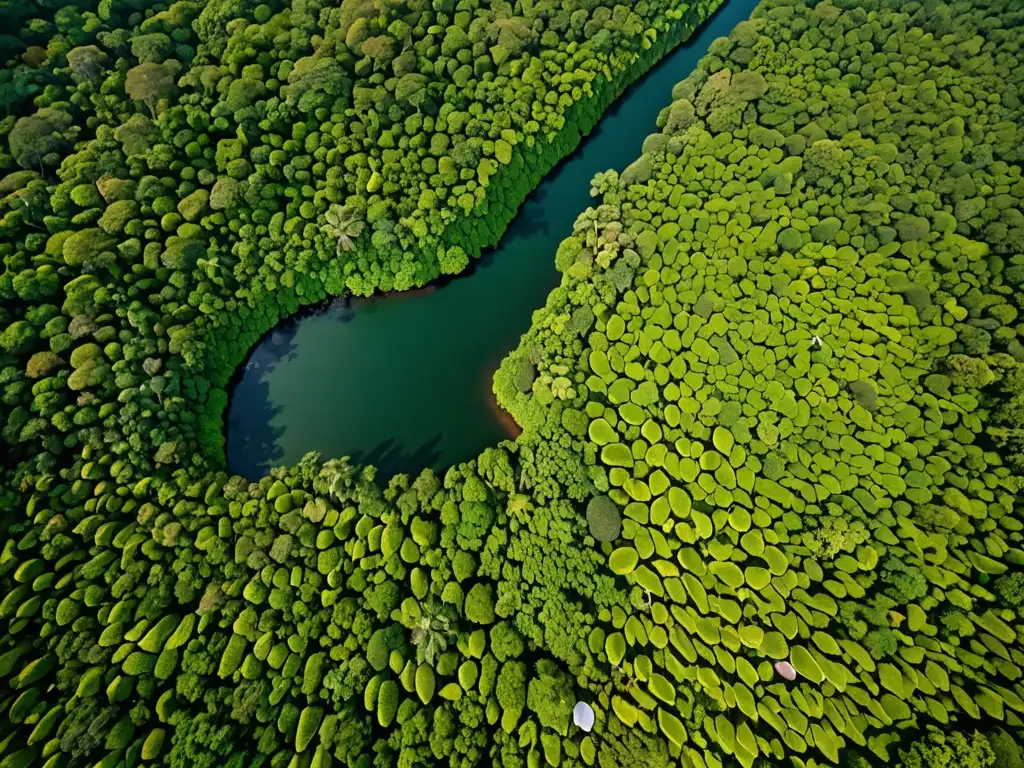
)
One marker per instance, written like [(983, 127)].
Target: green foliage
[(425, 683), (432, 633), (36, 140), (505, 642), (1006, 752), (382, 643), (191, 174), (479, 604), (150, 83), (510, 691), (550, 697), (774, 461), (1010, 589), (969, 372), (946, 751), (632, 747), (603, 519)]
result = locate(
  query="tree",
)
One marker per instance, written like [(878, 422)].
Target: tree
[(479, 607), (315, 81), (1010, 589), (455, 39), (345, 224), (347, 680), (137, 135), (86, 63), (117, 215), (382, 642), (152, 48), (970, 372), (1006, 751), (18, 337), (243, 93), (167, 452), (822, 160), (624, 747), (36, 140), (42, 364), (245, 700), (84, 729), (181, 253), (36, 284), (952, 750), (906, 582), (511, 36), (551, 697), (411, 89), (748, 85), (836, 535), (881, 643), (149, 83), (202, 743), (380, 50), (453, 260), (604, 519), (506, 643), (225, 193), (680, 116), (912, 228), (213, 269), (510, 691), (81, 295), (864, 393), (309, 721), (85, 247)]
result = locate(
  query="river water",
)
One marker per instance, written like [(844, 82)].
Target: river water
[(404, 381)]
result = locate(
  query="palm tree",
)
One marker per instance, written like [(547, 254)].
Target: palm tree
[(336, 478), (344, 223), (431, 635), (28, 214), (646, 602), (212, 268)]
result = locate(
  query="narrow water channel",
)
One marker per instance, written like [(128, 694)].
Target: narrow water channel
[(404, 382)]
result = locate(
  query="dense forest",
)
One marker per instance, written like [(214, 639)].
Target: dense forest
[(765, 508)]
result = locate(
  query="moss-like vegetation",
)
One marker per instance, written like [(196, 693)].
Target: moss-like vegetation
[(801, 389)]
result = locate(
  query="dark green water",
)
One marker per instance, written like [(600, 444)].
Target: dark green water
[(404, 381)]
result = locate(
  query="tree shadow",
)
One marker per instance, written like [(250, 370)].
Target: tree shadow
[(252, 439), (340, 309), (532, 220), (391, 459)]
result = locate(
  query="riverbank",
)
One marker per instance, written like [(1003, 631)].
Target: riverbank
[(408, 371), (505, 419)]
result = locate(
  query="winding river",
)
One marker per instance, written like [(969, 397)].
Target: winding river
[(404, 381)]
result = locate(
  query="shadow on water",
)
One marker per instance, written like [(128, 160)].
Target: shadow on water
[(391, 459), (253, 439), (395, 380), (530, 221), (253, 451)]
